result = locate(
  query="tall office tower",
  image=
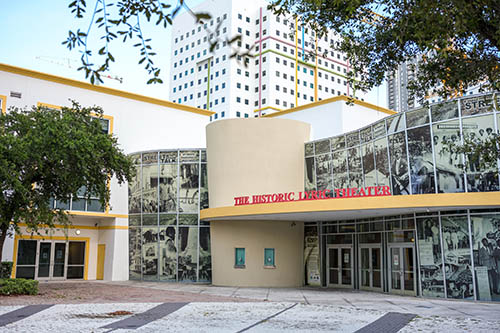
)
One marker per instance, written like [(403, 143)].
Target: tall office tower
[(280, 72), (398, 98)]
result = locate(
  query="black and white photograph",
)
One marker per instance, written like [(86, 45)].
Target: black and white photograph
[(355, 168), (134, 220), (322, 147), (310, 174), (150, 253), (368, 159), (189, 156), (168, 187), (444, 111), (379, 129), (486, 251), (203, 187), (309, 149), (189, 188), (457, 260), (324, 172), (476, 105), (365, 135), (399, 164), (337, 143), (430, 257), (479, 129), (205, 265), (135, 253), (382, 162), (188, 253), (168, 219), (168, 157), (168, 253), (396, 123), (448, 165), (339, 166), (417, 117), (134, 192), (421, 162), (352, 139), (150, 188), (188, 219)]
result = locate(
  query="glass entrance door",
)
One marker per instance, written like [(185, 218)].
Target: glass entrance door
[(50, 259), (340, 266), (370, 267), (402, 269), (44, 259)]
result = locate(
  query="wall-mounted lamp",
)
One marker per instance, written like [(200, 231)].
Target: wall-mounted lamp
[(77, 231)]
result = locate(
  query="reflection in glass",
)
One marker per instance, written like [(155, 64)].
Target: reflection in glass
[(399, 164), (421, 163), (429, 248), (396, 123)]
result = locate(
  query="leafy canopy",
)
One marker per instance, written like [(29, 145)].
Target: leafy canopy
[(459, 39), (48, 153)]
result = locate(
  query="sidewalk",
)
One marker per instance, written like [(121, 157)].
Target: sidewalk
[(356, 299)]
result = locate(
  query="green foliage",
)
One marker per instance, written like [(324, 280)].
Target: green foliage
[(48, 154), (460, 39), (5, 269), (18, 287)]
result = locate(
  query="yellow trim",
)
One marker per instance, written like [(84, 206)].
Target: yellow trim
[(96, 214), (101, 253), (331, 100), (296, 65), (74, 226), (4, 103), (85, 239), (268, 107), (441, 200), (101, 89)]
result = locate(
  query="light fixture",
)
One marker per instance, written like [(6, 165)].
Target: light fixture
[(77, 231)]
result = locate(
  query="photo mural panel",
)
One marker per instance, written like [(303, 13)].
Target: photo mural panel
[(457, 260), (203, 187), (205, 263), (369, 172), (399, 164), (486, 252), (355, 167), (476, 105), (150, 188), (310, 174), (168, 187), (324, 172), (149, 253), (430, 258), (189, 188), (396, 123), (168, 253), (444, 111), (339, 166), (188, 253), (421, 161), (417, 117), (448, 165), (382, 162), (135, 253), (135, 192), (480, 179)]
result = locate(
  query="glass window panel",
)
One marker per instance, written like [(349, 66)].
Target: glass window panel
[(381, 162), (339, 166), (168, 157), (188, 253), (478, 179), (149, 219), (189, 191), (429, 248), (134, 220), (365, 135), (399, 164), (476, 105), (75, 272), (268, 257), (134, 192), (203, 156), (168, 219), (59, 258), (26, 252), (149, 253), (168, 253), (136, 158), (322, 147), (94, 205), (457, 260), (347, 228), (400, 236), (149, 188), (189, 156), (25, 272), (62, 204), (188, 219), (396, 123), (339, 239), (486, 245), (444, 111), (310, 174), (309, 149), (448, 165), (168, 187), (379, 129), (149, 158), (421, 162), (205, 273), (369, 171), (324, 172), (417, 117), (78, 204), (352, 139), (135, 250), (375, 237), (76, 253), (337, 142), (355, 168)]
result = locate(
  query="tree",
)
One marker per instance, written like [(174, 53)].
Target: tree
[(48, 154), (458, 40)]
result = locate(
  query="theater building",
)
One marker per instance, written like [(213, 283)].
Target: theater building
[(329, 194)]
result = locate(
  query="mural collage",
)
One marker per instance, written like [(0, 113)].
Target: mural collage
[(167, 241)]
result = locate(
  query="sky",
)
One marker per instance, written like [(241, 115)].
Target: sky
[(31, 33)]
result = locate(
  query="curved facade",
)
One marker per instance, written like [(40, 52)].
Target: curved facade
[(167, 241)]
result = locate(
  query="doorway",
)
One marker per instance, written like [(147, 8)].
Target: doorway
[(402, 274), (340, 266), (370, 267)]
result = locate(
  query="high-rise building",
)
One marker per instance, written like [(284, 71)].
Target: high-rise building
[(281, 70)]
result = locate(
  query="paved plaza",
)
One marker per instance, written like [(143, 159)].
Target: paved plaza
[(204, 308)]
